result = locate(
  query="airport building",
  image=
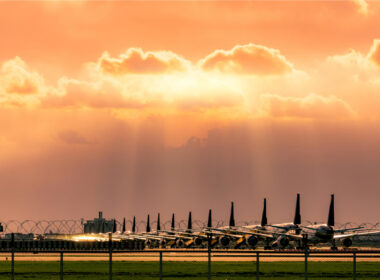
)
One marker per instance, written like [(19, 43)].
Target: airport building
[(20, 236), (99, 225)]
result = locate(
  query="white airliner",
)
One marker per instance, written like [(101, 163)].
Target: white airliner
[(281, 235), (326, 233)]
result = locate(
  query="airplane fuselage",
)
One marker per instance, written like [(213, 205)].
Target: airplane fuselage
[(319, 233)]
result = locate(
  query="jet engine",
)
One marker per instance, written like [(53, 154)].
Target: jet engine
[(224, 241), (198, 241), (148, 243), (347, 242), (179, 243), (252, 241), (163, 243), (281, 242)]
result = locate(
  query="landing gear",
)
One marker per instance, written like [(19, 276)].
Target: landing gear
[(299, 245), (333, 246), (305, 241), (267, 245)]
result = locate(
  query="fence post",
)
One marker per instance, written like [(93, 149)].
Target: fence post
[(306, 255), (354, 264), (160, 265), (13, 256), (305, 241), (61, 267), (209, 255), (110, 254), (257, 265)]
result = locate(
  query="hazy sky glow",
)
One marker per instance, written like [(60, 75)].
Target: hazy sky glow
[(139, 107)]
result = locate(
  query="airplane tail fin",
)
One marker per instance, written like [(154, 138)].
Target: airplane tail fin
[(158, 222), (123, 229), (264, 220), (331, 218), (148, 224), (189, 223), (232, 216), (209, 222), (114, 226), (297, 216), (134, 224), (173, 222)]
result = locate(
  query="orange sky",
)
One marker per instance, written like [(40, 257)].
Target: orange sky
[(137, 107)]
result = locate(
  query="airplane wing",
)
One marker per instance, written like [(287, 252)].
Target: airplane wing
[(294, 236), (349, 229), (235, 232), (340, 236), (289, 235), (228, 234), (181, 234), (275, 234), (255, 233), (280, 227), (177, 236)]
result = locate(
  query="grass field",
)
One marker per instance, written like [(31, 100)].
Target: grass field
[(94, 270)]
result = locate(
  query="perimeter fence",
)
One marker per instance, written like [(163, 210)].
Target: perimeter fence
[(76, 225), (111, 262)]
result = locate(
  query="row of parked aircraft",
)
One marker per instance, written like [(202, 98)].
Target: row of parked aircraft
[(270, 236)]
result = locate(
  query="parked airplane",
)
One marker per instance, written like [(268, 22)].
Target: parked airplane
[(280, 235), (182, 238), (269, 234), (232, 236), (249, 236), (326, 233)]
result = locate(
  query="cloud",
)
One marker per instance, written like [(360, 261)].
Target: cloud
[(19, 85), (354, 68), (350, 68), (205, 91), (161, 94), (72, 137), (310, 107), (16, 78), (362, 5), (102, 94), (374, 53), (247, 59), (359, 60), (136, 61)]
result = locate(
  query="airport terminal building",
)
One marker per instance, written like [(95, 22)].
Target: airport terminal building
[(99, 225)]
